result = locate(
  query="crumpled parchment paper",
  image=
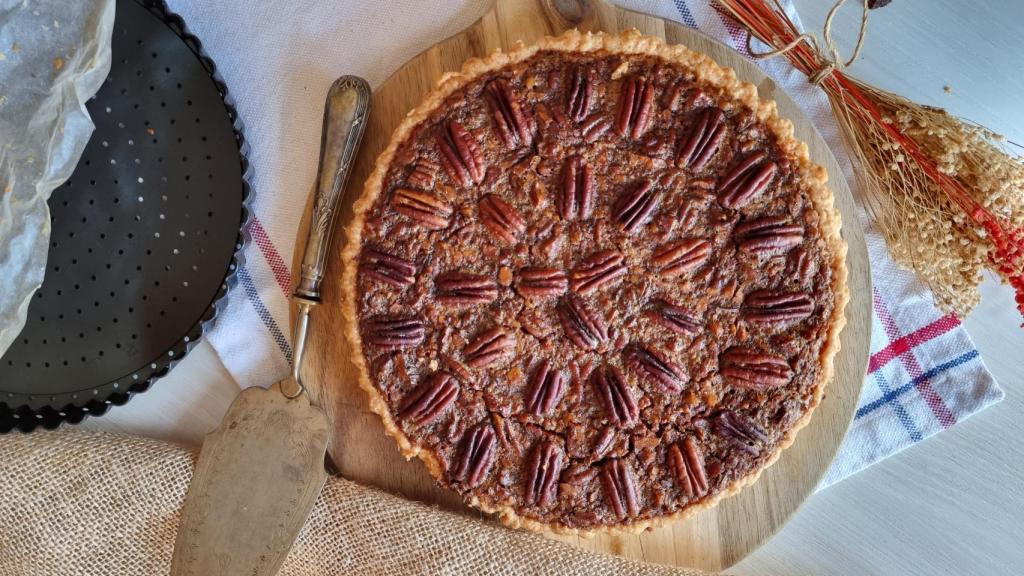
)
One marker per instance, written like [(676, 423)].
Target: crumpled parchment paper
[(54, 55)]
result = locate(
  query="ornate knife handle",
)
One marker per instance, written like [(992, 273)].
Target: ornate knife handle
[(345, 115)]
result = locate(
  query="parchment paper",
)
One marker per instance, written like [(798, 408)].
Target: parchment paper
[(54, 55)]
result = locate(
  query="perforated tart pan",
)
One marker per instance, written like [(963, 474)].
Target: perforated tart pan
[(146, 235)]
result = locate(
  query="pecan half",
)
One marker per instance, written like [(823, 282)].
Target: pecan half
[(513, 124), (670, 98), (594, 127), (740, 431), (582, 324), (604, 441), (545, 466), (755, 370), (776, 308), (577, 197), (477, 455), (703, 141), (677, 258), (579, 474), (599, 269), (386, 267), (687, 463), (393, 333), (655, 368), (620, 489), (488, 348), (423, 173), (634, 207), (546, 388), (771, 234), (689, 213), (801, 265), (460, 154), (618, 399), (541, 282), (429, 400), (501, 218), (747, 180), (675, 318), (426, 209), (460, 288), (457, 369), (635, 107), (580, 93)]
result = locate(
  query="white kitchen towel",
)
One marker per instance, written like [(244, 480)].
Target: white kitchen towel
[(278, 60)]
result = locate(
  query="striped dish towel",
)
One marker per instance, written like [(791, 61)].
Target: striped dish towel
[(925, 374)]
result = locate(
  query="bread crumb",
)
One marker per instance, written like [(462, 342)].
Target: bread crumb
[(15, 48), (8, 188), (505, 276), (710, 398), (947, 89), (151, 131), (515, 374), (621, 70), (58, 63), (3, 56)]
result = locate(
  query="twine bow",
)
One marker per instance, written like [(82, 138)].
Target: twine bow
[(833, 61)]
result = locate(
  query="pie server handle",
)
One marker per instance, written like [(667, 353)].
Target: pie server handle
[(345, 116)]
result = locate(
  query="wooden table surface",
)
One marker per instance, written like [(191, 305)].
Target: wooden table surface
[(953, 504)]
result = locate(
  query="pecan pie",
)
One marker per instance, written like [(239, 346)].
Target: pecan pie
[(594, 283)]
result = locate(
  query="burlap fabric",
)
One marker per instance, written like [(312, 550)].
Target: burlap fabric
[(89, 503)]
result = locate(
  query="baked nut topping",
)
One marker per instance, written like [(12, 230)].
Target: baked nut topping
[(597, 283)]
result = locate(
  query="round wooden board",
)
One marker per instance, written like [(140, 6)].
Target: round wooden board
[(712, 540)]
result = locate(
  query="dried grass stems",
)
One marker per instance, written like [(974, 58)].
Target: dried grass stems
[(927, 229), (946, 193)]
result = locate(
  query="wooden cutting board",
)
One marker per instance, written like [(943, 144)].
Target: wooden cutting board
[(713, 539)]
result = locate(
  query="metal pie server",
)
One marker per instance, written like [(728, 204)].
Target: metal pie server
[(260, 472)]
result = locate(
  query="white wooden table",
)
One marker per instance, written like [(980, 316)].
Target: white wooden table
[(953, 504)]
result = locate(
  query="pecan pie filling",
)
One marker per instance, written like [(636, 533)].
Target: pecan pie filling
[(594, 289)]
